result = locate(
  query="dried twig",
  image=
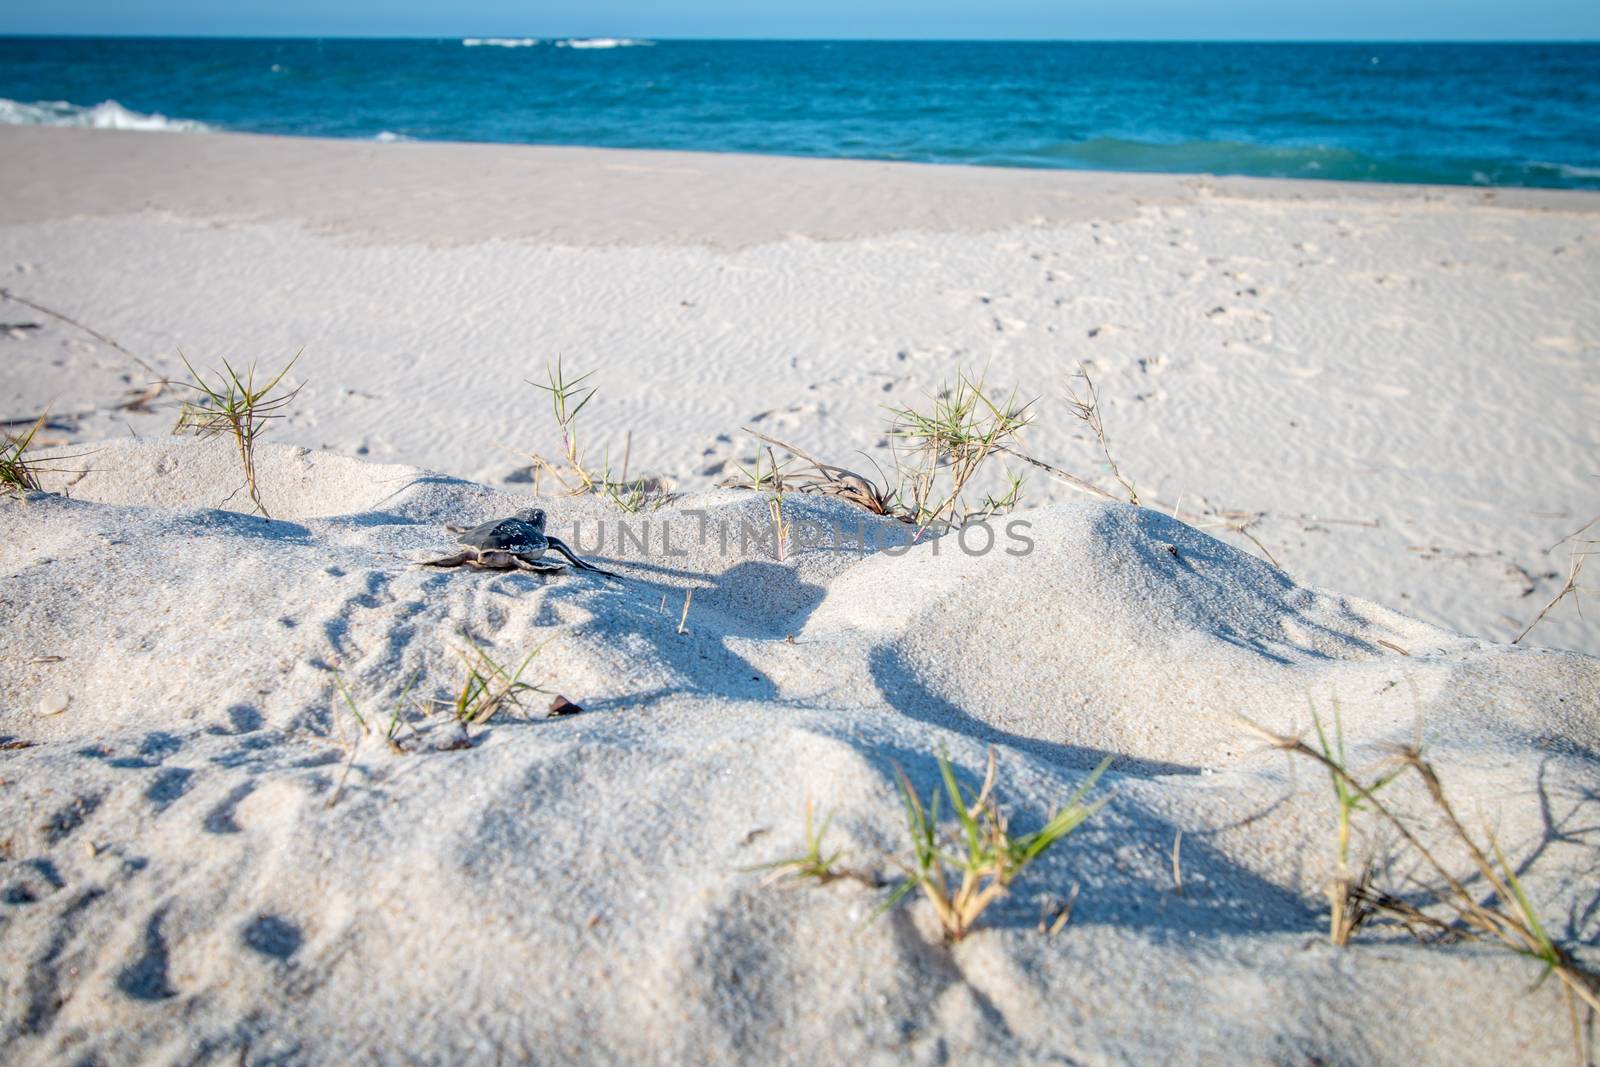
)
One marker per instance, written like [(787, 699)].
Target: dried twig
[(1086, 406), (1569, 587)]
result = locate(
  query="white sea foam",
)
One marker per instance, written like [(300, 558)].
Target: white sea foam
[(1571, 170), (500, 42), (604, 42), (106, 115), (390, 137)]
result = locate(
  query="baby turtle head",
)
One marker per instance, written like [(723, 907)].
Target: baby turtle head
[(533, 517)]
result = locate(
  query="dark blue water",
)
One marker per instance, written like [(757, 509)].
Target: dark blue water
[(1482, 114)]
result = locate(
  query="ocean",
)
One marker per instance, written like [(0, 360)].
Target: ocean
[(1465, 114)]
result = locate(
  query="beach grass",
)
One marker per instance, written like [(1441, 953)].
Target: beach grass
[(488, 687), (938, 449), (813, 862), (769, 479), (1351, 898), (568, 398), (1505, 916), (18, 473), (962, 877), (391, 731), (237, 408)]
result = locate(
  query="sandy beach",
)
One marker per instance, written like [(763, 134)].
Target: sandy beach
[(1361, 420)]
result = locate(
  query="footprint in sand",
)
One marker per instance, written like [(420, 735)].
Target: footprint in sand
[(1109, 329), (785, 418), (1226, 316)]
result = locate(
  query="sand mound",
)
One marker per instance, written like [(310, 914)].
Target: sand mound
[(295, 483), (178, 888)]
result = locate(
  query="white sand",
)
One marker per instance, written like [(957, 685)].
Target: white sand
[(177, 889), (1403, 379)]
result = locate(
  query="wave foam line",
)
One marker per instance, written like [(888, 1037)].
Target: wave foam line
[(604, 42), (499, 42)]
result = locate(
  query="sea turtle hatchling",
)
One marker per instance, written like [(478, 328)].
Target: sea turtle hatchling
[(517, 543)]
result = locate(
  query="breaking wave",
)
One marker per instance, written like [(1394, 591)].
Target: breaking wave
[(106, 115)]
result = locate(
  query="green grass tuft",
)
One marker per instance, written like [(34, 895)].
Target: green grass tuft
[(813, 862), (947, 444), (568, 398), (18, 474), (962, 874), (488, 688), (236, 407)]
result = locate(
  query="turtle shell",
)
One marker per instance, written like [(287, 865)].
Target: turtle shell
[(506, 535)]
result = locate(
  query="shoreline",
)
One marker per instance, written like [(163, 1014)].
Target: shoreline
[(462, 192)]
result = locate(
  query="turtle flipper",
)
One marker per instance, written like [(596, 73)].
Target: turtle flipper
[(561, 547), (538, 566), (465, 556)]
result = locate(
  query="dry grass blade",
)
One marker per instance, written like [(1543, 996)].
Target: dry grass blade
[(236, 407), (75, 324), (1066, 477)]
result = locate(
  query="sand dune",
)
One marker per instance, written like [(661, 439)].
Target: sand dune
[(572, 888)]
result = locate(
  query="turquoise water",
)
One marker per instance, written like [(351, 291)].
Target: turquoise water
[(1471, 114)]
